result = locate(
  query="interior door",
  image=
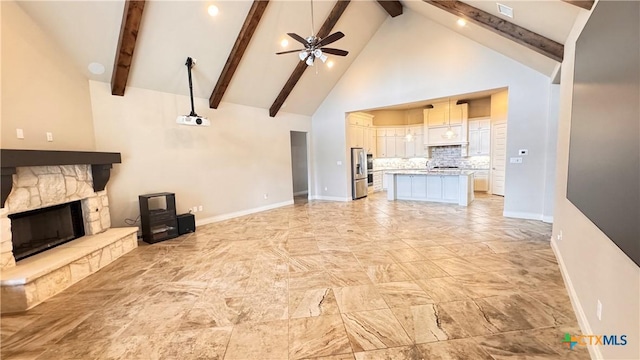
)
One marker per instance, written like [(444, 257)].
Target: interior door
[(498, 158)]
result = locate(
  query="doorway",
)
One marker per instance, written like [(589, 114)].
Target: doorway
[(299, 166), (498, 157)]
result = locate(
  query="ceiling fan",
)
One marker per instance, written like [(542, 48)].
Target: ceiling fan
[(314, 47)]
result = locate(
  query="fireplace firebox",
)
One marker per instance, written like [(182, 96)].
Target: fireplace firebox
[(42, 229)]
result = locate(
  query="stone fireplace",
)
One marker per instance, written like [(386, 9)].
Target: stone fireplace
[(61, 185)]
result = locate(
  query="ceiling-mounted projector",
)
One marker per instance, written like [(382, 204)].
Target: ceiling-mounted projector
[(192, 119)]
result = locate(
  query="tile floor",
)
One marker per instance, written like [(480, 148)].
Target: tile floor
[(369, 279)]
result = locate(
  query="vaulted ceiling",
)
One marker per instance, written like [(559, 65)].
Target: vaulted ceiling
[(171, 31)]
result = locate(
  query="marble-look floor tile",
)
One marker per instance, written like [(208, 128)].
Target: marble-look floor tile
[(313, 302), (211, 312), (518, 345), (443, 289), (406, 255), (474, 319), (405, 293), (348, 356), (493, 262), (10, 324), (395, 353), (550, 337), (359, 298), (481, 285), (209, 343), (317, 336), (309, 280), (470, 249), (374, 329), (525, 259), (558, 300), (435, 252), (386, 273), (259, 341), (373, 257), (520, 312), (457, 266), (428, 323), (349, 277), (463, 349), (535, 278), (424, 269)]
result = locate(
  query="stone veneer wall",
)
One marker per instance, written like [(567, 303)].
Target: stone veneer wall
[(37, 187)]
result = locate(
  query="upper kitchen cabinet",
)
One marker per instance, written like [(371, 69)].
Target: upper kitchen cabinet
[(361, 132), (446, 124), (479, 137)]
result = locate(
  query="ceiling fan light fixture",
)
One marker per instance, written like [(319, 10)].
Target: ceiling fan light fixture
[(317, 53), (303, 55), (323, 57), (310, 60)]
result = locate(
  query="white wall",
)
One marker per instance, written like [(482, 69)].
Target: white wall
[(299, 163), (43, 90), (227, 167), (593, 266), (411, 59)]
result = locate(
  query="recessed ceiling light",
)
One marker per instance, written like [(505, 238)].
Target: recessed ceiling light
[(505, 10), (284, 43), (329, 64), (213, 10), (462, 22), (96, 68)]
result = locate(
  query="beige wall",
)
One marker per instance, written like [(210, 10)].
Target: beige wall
[(499, 106), (388, 117), (227, 167), (593, 266), (480, 107), (43, 91)]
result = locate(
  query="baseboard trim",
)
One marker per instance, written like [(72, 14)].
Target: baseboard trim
[(522, 215), (594, 351), (547, 219), (217, 218), (329, 198), (304, 192)]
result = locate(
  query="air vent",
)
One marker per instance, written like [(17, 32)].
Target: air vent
[(505, 10)]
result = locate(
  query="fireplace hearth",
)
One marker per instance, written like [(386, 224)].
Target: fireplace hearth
[(42, 229)]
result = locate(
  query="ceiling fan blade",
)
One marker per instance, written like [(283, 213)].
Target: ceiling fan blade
[(288, 52), (335, 51), (331, 38), (298, 38)]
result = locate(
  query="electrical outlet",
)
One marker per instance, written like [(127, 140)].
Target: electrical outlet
[(19, 134), (195, 209), (266, 196), (515, 160), (559, 236), (49, 136), (199, 207), (339, 163), (326, 188), (599, 310)]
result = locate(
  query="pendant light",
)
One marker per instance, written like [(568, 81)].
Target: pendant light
[(449, 134)]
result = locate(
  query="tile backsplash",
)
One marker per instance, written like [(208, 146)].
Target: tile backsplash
[(440, 156)]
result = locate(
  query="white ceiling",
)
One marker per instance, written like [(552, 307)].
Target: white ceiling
[(173, 30)]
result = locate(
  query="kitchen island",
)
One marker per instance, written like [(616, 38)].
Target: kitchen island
[(447, 186)]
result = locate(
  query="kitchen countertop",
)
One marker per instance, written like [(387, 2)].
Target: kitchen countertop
[(431, 172)]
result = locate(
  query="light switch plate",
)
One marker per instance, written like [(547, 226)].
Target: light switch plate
[(49, 136), (19, 134)]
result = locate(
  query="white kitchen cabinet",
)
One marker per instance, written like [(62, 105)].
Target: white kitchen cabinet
[(450, 188), (479, 137), (385, 181), (436, 136), (400, 147), (381, 147), (411, 187), (359, 127), (377, 181), (481, 180), (444, 114)]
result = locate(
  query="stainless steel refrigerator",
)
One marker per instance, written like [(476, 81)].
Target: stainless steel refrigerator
[(358, 173)]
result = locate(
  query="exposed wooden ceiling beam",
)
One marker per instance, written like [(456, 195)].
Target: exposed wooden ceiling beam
[(393, 7), (242, 41), (522, 36), (131, 19), (328, 24), (585, 4)]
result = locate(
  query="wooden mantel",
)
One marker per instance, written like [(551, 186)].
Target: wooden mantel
[(100, 162)]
